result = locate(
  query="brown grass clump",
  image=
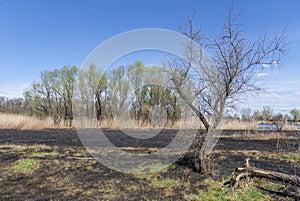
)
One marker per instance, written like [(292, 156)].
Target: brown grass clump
[(240, 125), (23, 122), (259, 136)]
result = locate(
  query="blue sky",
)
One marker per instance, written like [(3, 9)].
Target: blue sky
[(38, 35)]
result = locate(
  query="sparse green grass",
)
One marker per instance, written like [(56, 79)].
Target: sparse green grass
[(171, 166), (222, 157), (216, 192), (147, 171), (15, 147), (290, 157), (133, 187), (26, 166), (250, 194), (166, 183), (62, 175), (271, 186), (89, 168), (43, 154)]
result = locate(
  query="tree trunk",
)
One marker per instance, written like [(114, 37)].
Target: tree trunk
[(202, 165), (206, 165)]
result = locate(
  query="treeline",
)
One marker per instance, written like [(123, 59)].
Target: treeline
[(52, 95), (14, 105), (103, 96), (268, 114)]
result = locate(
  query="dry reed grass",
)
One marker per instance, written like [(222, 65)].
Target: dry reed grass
[(239, 125), (258, 136), (23, 122)]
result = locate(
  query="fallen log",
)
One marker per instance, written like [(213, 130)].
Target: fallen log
[(248, 171), (276, 176)]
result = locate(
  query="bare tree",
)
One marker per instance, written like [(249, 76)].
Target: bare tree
[(236, 60), (246, 113), (267, 113), (14, 105), (256, 115)]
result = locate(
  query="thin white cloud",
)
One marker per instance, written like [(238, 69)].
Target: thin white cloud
[(262, 74), (277, 101), (273, 64), (266, 65), (297, 93), (281, 86), (13, 90), (4, 93)]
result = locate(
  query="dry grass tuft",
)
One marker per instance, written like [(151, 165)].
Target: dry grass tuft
[(240, 125), (259, 136), (23, 122)]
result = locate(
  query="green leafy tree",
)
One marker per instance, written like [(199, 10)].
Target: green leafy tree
[(135, 74), (119, 85), (296, 114), (52, 96), (97, 83)]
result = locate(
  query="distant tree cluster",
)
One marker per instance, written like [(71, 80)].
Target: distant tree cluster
[(52, 96), (14, 105), (105, 96), (267, 114), (296, 114), (102, 94)]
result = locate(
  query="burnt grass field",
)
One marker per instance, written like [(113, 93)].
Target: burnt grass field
[(53, 165)]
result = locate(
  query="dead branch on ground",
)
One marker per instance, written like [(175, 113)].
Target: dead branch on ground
[(250, 172)]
